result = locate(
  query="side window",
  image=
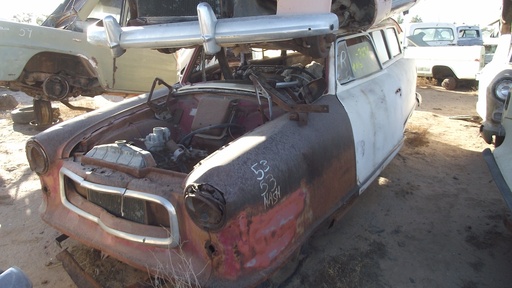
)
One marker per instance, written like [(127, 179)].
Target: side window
[(107, 7), (468, 33), (356, 59), (343, 62), (380, 46), (393, 43), (155, 8)]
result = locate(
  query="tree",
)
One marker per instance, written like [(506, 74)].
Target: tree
[(28, 18), (416, 19), (400, 19)]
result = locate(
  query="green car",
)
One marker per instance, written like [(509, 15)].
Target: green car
[(54, 61)]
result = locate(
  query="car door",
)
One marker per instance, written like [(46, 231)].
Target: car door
[(372, 95), (136, 70)]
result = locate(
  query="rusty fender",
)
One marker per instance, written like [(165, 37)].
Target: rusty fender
[(279, 182), (69, 135)]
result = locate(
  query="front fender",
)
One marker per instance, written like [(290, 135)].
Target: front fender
[(279, 182)]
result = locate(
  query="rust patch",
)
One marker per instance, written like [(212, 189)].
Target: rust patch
[(255, 238)]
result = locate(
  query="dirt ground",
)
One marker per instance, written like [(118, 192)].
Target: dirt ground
[(434, 217)]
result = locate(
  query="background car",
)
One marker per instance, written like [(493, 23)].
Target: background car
[(54, 61), (499, 161), (495, 81)]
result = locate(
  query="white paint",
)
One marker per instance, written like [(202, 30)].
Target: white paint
[(289, 7), (25, 32), (270, 190)]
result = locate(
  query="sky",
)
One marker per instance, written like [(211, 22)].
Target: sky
[(470, 12), (43, 7)]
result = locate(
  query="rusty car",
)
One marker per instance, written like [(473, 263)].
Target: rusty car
[(278, 122), (54, 62)]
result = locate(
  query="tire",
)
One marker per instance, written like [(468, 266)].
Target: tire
[(449, 83), (26, 115), (23, 115), (43, 113)]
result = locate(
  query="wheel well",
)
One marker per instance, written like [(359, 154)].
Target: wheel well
[(441, 72), (72, 76), (54, 63)]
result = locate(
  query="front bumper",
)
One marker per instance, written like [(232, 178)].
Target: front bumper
[(490, 130), (168, 251)]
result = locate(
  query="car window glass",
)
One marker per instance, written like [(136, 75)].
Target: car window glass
[(392, 40), (105, 8), (435, 34), (343, 64), (380, 46), (362, 56), (153, 8), (469, 33)]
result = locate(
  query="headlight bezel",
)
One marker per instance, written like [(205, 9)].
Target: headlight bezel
[(501, 88), (37, 157), (205, 198)]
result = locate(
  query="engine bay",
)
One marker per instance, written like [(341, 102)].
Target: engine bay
[(213, 108)]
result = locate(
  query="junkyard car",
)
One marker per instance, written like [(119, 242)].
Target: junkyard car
[(495, 81), (499, 161), (278, 122), (54, 61)]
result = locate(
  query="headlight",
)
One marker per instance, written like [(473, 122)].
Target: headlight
[(37, 157), (205, 206), (502, 89)]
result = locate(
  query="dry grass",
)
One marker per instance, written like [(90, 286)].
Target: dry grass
[(426, 82), (417, 136), (111, 273), (107, 271), (355, 269), (178, 272)]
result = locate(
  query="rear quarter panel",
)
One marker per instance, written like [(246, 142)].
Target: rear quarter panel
[(134, 72), (20, 42)]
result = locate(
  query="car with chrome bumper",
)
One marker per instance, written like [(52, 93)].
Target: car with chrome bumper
[(278, 123), (499, 160), (495, 81)]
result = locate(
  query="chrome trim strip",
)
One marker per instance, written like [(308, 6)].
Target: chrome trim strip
[(171, 241)]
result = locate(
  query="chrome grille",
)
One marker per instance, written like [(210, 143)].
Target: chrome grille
[(125, 207), (118, 201)]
